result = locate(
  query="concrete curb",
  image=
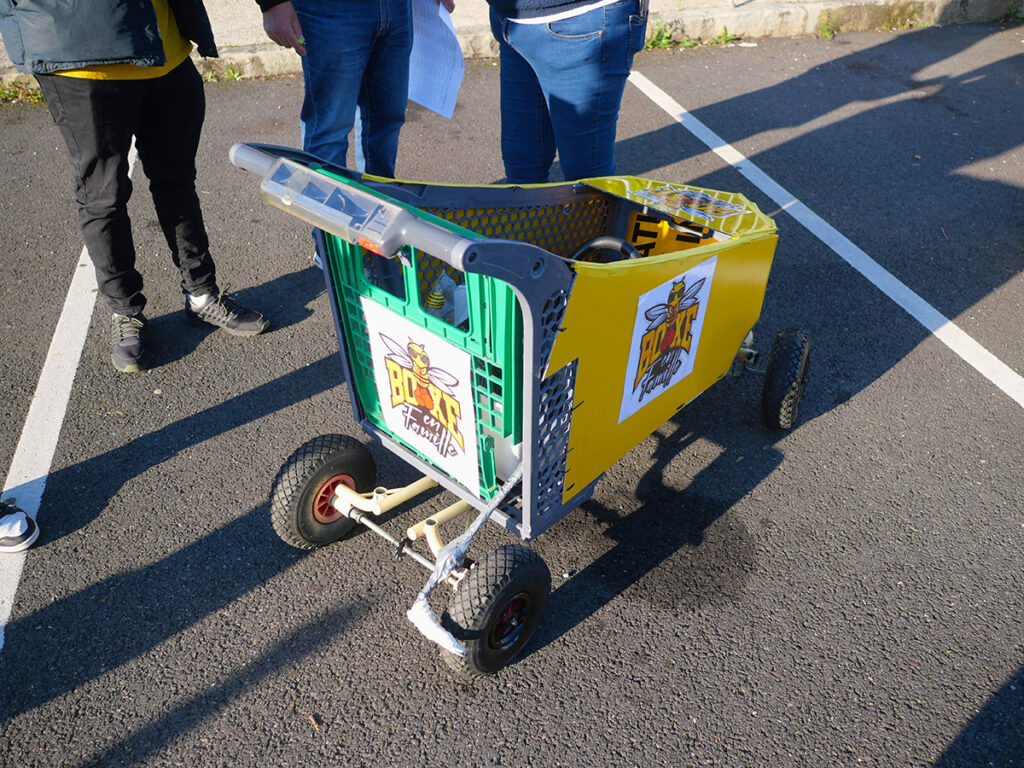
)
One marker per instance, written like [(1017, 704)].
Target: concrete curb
[(253, 56)]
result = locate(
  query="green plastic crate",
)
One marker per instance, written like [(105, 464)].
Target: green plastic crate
[(493, 337)]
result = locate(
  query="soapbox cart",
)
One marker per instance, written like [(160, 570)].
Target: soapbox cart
[(511, 343)]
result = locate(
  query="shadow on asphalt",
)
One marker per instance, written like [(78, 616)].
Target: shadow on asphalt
[(886, 89), (674, 549), (108, 624), (176, 336), (88, 642), (94, 482), (183, 718), (995, 737)]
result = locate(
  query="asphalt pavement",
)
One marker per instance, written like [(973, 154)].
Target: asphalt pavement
[(845, 594)]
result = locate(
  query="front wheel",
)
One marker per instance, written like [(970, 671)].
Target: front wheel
[(496, 608), (300, 502), (785, 378)]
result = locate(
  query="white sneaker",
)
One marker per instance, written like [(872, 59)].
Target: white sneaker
[(18, 531)]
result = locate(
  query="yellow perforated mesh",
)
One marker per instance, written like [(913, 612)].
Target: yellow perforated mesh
[(559, 229)]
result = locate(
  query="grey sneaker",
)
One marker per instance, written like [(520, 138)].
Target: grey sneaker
[(126, 349), (224, 312), (18, 531)]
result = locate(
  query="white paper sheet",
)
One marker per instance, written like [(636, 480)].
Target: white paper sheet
[(436, 65)]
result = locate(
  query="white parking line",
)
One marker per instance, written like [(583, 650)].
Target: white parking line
[(987, 364), (30, 466)]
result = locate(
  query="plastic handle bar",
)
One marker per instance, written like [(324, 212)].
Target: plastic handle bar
[(248, 158), (348, 211)]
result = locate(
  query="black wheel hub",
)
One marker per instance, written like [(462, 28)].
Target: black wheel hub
[(510, 623)]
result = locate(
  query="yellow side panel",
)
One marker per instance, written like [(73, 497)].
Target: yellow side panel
[(604, 314)]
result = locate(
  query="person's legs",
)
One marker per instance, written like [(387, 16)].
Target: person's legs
[(582, 64), (339, 38), (167, 138), (97, 119), (384, 93), (527, 140)]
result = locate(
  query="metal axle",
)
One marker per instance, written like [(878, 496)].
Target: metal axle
[(362, 507)]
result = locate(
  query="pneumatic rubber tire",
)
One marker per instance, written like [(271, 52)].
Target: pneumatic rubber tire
[(496, 608), (300, 509), (785, 378)]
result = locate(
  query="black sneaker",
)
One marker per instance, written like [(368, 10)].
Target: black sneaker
[(224, 312), (18, 531), (126, 350)]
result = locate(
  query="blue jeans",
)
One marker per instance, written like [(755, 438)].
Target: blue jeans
[(561, 86), (356, 71)]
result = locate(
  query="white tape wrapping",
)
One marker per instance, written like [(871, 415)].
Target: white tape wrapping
[(450, 557)]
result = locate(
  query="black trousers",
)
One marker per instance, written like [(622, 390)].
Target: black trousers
[(97, 119)]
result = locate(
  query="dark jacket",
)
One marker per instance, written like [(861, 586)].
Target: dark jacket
[(43, 37)]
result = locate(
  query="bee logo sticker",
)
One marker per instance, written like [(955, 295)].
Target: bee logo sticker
[(666, 334), (423, 385)]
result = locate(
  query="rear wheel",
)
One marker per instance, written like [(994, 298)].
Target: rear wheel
[(785, 378), (496, 608), (300, 502)]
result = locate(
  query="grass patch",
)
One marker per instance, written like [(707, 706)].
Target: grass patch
[(227, 76), (1014, 15), (827, 27), (18, 93), (665, 36), (724, 37), (900, 17), (660, 38)]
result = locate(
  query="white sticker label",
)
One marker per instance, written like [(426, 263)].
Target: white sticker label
[(425, 388), (666, 334)]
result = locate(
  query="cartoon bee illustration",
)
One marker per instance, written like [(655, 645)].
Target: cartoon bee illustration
[(415, 357), (680, 298)]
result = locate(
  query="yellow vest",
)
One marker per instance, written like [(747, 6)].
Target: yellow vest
[(176, 48)]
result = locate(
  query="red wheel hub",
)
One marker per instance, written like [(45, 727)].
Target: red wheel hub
[(323, 511)]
